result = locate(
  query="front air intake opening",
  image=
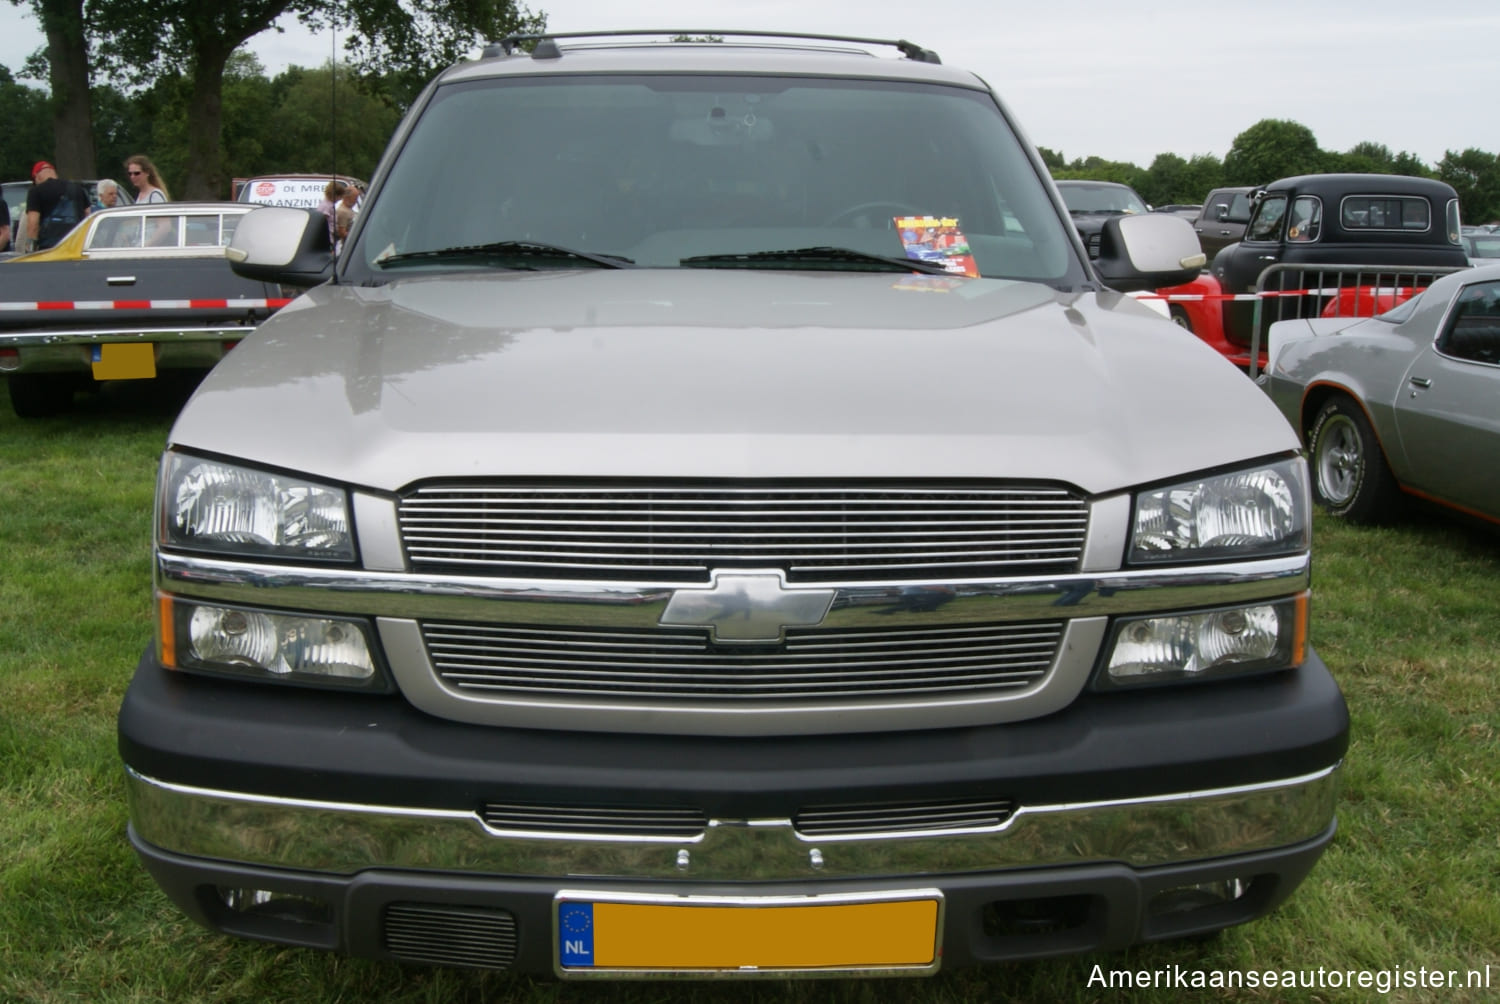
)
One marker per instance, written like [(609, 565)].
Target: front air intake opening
[(444, 934), (1204, 907), (1043, 925)]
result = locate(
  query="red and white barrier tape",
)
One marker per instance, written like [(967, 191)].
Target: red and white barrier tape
[(1360, 291), (271, 304)]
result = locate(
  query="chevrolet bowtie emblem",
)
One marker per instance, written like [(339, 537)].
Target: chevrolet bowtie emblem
[(747, 607)]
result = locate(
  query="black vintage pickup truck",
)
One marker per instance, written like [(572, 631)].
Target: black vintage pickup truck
[(1320, 233), (129, 293)]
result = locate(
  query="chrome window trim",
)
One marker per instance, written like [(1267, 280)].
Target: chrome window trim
[(346, 838)]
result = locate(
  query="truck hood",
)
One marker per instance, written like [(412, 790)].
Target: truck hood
[(726, 374)]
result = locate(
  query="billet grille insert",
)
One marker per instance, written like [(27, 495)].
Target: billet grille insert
[(664, 532), (682, 664), (440, 934), (933, 817), (605, 821)]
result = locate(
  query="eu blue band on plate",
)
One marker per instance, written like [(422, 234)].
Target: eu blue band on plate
[(575, 933)]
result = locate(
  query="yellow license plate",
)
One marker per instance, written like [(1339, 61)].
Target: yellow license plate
[(599, 933), (125, 361)]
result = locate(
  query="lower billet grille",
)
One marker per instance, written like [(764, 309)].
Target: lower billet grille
[(438, 934), (616, 531), (683, 665), (614, 822), (889, 818)]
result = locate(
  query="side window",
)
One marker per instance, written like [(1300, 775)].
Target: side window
[(1266, 224), (1385, 212), (1473, 331), (117, 232), (226, 228), (1239, 208), (1307, 219), (202, 233), (163, 231)]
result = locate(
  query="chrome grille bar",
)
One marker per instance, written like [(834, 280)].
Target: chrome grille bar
[(683, 664), (609, 821), (681, 532), (849, 820)]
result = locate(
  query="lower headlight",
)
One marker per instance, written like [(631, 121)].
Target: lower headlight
[(1230, 641), (266, 645)]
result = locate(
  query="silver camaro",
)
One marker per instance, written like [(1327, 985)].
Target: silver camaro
[(1406, 403)]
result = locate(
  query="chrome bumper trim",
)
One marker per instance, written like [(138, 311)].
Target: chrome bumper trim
[(482, 599), (344, 838), (41, 337)]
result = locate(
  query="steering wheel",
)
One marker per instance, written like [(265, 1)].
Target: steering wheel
[(861, 215)]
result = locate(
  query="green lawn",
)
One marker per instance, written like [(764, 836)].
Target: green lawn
[(1407, 617)]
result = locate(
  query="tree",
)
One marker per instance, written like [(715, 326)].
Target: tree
[(197, 38), (1475, 175), (1052, 159), (72, 146), (1271, 149), (1170, 179), (26, 124)]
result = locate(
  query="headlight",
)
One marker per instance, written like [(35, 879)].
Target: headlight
[(1230, 641), (1256, 512), (266, 645), (208, 505)]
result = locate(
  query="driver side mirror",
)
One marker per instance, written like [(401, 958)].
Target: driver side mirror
[(282, 245), (1148, 252)]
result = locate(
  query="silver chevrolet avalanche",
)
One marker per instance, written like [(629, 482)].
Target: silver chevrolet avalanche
[(714, 518)]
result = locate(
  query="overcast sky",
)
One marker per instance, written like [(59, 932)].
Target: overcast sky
[(1118, 80)]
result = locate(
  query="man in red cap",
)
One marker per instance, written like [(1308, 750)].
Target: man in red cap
[(53, 206)]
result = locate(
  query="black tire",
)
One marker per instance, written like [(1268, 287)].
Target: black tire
[(1180, 317), (1350, 476), (39, 395)]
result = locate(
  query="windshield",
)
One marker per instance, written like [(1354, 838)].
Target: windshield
[(1085, 198), (652, 170)]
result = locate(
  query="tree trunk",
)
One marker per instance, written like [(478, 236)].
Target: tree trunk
[(205, 126), (72, 116)]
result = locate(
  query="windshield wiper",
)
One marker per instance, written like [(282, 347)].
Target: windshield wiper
[(816, 256), (510, 250)]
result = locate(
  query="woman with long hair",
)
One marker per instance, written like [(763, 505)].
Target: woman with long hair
[(147, 181)]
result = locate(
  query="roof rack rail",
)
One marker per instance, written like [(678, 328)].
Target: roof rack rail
[(547, 47)]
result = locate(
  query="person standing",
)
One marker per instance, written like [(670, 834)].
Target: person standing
[(53, 206), (343, 216), (110, 195), (147, 180)]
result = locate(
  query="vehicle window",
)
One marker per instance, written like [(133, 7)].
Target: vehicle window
[(163, 231), (1101, 199), (1482, 245), (1473, 331), (227, 226), (202, 233), (1455, 226), (117, 232), (1239, 208), (1384, 212), (1307, 219), (662, 168), (1266, 224)]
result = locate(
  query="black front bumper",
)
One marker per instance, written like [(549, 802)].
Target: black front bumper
[(354, 817)]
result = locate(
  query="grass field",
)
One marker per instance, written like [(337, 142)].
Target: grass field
[(1407, 617)]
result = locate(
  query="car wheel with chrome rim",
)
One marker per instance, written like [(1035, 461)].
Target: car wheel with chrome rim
[(1350, 475)]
